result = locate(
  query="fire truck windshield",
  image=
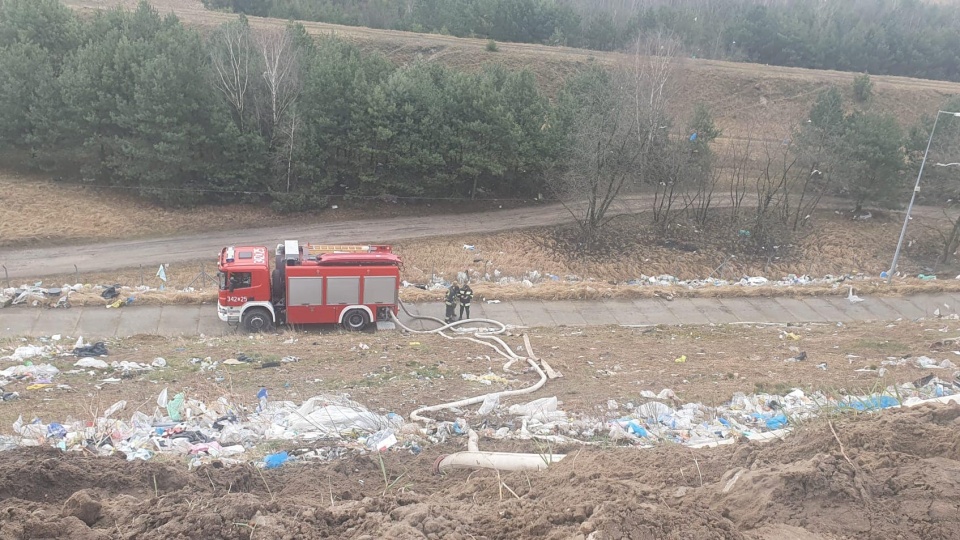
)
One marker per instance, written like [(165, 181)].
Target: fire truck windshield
[(237, 280)]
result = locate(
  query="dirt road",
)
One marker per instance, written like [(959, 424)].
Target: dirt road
[(46, 261), (21, 263)]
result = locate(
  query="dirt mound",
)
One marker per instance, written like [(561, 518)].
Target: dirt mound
[(896, 475)]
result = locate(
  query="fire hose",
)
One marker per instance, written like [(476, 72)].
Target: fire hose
[(473, 457), (485, 336)]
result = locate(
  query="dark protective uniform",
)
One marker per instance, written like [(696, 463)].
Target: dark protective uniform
[(466, 295), (453, 294)]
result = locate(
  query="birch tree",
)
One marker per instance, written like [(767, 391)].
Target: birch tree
[(234, 64), (281, 77)]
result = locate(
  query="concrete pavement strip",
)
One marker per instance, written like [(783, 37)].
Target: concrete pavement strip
[(189, 320)]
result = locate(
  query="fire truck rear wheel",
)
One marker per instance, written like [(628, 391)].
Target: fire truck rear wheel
[(355, 320), (257, 320)]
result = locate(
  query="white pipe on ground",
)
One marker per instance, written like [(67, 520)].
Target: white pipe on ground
[(501, 461)]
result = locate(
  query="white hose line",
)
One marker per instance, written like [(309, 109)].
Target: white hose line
[(473, 458), (501, 461), (480, 336)]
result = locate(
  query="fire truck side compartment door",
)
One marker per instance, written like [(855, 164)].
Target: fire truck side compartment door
[(379, 290), (343, 290), (305, 291)]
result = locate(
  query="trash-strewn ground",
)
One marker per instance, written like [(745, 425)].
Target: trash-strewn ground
[(629, 472), (394, 372), (889, 475)]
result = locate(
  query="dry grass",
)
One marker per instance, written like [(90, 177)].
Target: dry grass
[(39, 212), (42, 212), (588, 290)]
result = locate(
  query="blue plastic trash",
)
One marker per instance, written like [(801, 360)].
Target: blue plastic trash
[(776, 422), (873, 403), (275, 460), (56, 430), (637, 429)]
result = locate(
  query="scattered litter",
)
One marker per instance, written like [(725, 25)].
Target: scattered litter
[(490, 404), (681, 359), (925, 362), (289, 359), (36, 371), (487, 379), (93, 363), (381, 440), (273, 461), (97, 349), (159, 362), (28, 351)]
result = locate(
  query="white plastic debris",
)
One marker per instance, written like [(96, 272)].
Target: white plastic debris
[(26, 352), (490, 403), (37, 371), (92, 363)]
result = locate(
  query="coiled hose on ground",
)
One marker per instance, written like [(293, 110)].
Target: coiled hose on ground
[(484, 336)]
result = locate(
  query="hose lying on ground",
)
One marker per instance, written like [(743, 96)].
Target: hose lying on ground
[(473, 458), (485, 337)]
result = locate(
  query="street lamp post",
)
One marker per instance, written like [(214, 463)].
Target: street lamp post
[(913, 197)]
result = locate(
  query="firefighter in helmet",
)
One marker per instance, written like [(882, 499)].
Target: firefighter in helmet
[(466, 295), (453, 295)]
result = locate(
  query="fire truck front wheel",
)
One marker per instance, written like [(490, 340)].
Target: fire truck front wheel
[(257, 320), (355, 320)]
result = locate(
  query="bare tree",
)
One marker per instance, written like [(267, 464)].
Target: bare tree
[(653, 69), (233, 61), (619, 133), (705, 179), (281, 75), (778, 169), (738, 160), (669, 169), (603, 155), (291, 132)]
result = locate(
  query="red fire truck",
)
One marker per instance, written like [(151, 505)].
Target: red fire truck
[(310, 284)]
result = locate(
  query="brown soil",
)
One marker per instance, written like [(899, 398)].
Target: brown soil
[(891, 475)]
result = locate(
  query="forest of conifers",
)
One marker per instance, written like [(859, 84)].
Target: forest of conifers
[(883, 37), (137, 101)]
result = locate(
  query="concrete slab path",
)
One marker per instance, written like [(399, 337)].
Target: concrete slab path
[(202, 319)]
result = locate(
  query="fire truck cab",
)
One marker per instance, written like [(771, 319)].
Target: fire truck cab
[(310, 284)]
